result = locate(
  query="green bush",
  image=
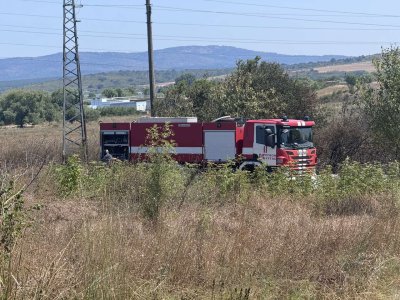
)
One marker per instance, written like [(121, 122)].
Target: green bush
[(225, 184), (69, 176)]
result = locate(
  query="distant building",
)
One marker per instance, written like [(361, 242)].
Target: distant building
[(140, 104)]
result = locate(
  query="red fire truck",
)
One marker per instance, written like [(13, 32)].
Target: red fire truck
[(273, 142)]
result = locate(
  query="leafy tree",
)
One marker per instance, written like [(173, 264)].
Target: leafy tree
[(8, 117), (350, 79), (175, 103), (130, 91), (120, 92), (382, 105), (109, 93), (91, 114), (242, 95), (260, 89), (21, 107), (117, 111), (57, 98), (201, 93), (187, 77), (254, 90)]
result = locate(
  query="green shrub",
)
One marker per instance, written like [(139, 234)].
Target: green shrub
[(164, 180), (69, 176), (227, 184)]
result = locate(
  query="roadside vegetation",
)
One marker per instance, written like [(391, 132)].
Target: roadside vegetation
[(163, 231)]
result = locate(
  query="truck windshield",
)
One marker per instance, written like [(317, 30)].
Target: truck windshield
[(296, 137)]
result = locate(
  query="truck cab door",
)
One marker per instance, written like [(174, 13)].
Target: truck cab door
[(266, 154)]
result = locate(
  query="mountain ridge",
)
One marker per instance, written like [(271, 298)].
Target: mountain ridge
[(175, 58)]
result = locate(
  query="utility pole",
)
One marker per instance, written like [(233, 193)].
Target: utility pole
[(74, 126), (150, 53)]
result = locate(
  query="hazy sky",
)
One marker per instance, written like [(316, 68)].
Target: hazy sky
[(349, 27)]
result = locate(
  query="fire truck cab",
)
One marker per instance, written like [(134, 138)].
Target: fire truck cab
[(270, 142), (279, 142)]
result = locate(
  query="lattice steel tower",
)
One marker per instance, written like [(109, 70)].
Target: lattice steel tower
[(74, 127)]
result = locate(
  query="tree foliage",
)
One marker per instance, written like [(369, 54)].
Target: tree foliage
[(261, 89), (382, 105), (254, 90), (118, 92), (23, 107), (189, 78), (248, 92)]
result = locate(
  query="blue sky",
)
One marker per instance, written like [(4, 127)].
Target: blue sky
[(351, 27)]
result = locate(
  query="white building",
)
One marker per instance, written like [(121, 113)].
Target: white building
[(140, 104)]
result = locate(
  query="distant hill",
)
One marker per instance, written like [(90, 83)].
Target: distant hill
[(119, 79), (177, 58)]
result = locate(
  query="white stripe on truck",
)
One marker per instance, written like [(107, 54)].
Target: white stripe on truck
[(173, 150), (247, 150)]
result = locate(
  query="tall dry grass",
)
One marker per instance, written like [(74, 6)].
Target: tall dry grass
[(23, 148), (273, 248), (217, 234)]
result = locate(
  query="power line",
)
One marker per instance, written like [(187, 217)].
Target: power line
[(58, 47), (41, 1), (258, 15), (101, 5), (353, 13), (29, 15), (56, 17), (304, 9), (213, 25), (138, 6), (115, 6), (274, 27), (198, 38), (385, 26), (88, 5)]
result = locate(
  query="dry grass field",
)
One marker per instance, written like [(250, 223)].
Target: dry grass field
[(361, 66), (332, 89), (217, 234)]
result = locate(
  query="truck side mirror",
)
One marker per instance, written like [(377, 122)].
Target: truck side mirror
[(269, 138)]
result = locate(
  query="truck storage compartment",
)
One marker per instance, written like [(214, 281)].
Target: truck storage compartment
[(219, 141), (116, 142), (115, 138), (219, 145)]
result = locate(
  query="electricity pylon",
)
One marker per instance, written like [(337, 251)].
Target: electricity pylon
[(74, 126)]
